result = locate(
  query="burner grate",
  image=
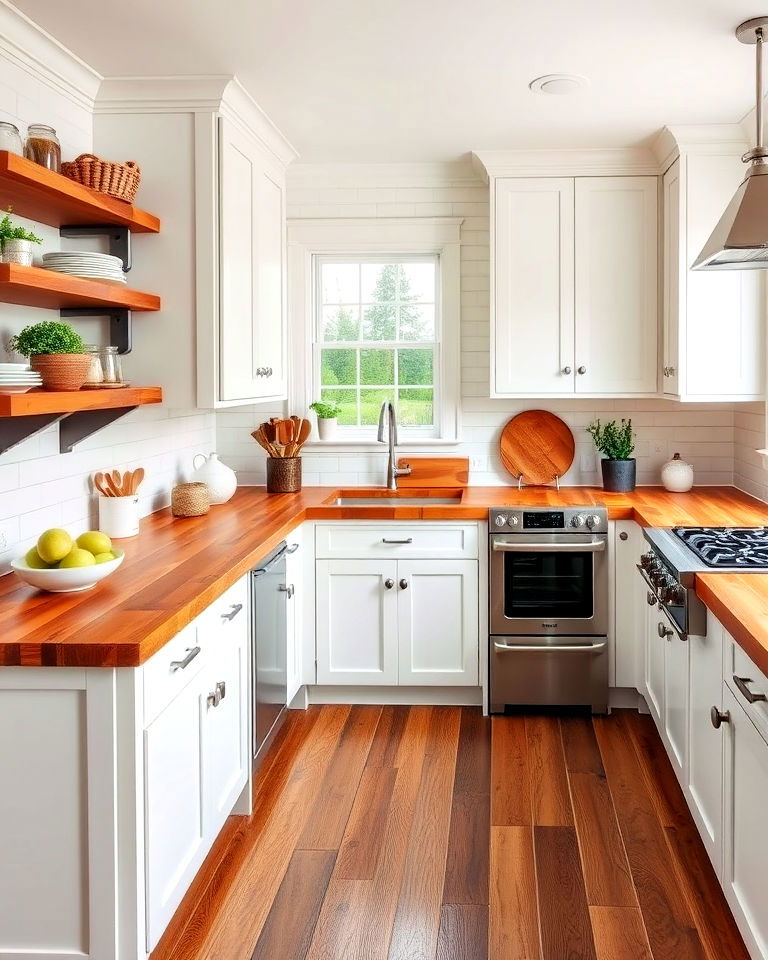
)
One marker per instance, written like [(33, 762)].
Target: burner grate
[(740, 547)]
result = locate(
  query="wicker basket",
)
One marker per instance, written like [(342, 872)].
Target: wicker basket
[(62, 371), (283, 474), (119, 180), (190, 500)]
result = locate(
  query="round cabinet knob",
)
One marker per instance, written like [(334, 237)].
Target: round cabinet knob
[(577, 521), (500, 520), (389, 583), (719, 717), (664, 631), (581, 370), (403, 584), (513, 521), (566, 371), (593, 521), (623, 535)]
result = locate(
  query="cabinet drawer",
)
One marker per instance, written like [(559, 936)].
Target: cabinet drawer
[(171, 669), (227, 616), (738, 664), (434, 541)]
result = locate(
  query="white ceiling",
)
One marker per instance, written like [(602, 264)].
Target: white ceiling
[(409, 80)]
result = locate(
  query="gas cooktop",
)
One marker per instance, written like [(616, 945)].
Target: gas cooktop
[(742, 548)]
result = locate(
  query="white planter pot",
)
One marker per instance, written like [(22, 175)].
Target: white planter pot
[(326, 427), (18, 251)]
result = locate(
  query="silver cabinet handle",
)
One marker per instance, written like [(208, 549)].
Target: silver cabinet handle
[(717, 717), (183, 664), (215, 698), (749, 696), (510, 546), (663, 631), (264, 371), (566, 370), (543, 648), (287, 588), (581, 370), (623, 535), (389, 583), (406, 540), (403, 584), (669, 371), (233, 612)]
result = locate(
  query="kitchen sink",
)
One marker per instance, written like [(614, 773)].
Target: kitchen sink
[(375, 498)]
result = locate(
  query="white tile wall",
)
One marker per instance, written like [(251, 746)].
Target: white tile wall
[(703, 434), (39, 487)]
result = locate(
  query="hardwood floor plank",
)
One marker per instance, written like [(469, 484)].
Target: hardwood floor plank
[(361, 845), (291, 921), (473, 761), (606, 872), (510, 783), (619, 933), (463, 932), (513, 923), (389, 733), (667, 918), (660, 778), (325, 825), (582, 754), (550, 799), (417, 920)]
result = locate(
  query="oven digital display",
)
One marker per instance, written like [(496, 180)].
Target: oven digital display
[(543, 521)]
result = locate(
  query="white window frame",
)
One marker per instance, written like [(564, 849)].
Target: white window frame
[(359, 239)]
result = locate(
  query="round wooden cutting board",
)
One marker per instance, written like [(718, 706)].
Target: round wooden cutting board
[(538, 446)]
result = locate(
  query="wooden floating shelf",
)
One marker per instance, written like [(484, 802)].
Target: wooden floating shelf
[(36, 287), (48, 197), (73, 401)]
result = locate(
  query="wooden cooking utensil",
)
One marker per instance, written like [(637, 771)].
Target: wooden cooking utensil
[(137, 479), (100, 482), (114, 489), (537, 447)]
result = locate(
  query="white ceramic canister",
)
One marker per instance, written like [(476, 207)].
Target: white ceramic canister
[(677, 475), (217, 476), (119, 516)]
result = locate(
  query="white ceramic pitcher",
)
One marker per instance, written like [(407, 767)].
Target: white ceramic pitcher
[(218, 477)]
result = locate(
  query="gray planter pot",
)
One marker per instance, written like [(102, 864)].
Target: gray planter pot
[(619, 475)]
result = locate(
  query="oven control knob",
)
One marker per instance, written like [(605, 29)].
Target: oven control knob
[(500, 520), (513, 521), (577, 521), (675, 595), (593, 521), (648, 561)]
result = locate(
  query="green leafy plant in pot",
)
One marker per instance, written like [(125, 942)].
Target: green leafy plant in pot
[(56, 351), (17, 245), (327, 418), (615, 441)]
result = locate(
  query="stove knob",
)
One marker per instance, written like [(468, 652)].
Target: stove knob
[(577, 521), (657, 576), (513, 521), (676, 595), (500, 520), (593, 521), (648, 561)]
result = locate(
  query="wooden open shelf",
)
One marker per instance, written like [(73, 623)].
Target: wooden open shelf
[(36, 287), (48, 197), (72, 401)]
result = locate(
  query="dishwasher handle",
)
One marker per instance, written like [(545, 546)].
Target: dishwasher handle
[(284, 551), (513, 546), (544, 648)]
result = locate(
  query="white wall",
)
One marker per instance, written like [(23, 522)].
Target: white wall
[(749, 436), (39, 487), (701, 433)]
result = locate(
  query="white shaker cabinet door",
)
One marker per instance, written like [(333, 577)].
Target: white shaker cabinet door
[(631, 592), (654, 666), (616, 250), (676, 692), (532, 335), (438, 622), (357, 622)]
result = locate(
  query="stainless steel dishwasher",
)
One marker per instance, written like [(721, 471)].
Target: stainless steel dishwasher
[(269, 684)]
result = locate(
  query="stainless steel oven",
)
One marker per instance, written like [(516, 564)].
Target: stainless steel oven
[(548, 607)]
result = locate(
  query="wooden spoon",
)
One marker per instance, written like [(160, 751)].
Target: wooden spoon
[(304, 431), (99, 481), (266, 439), (138, 477), (114, 488)]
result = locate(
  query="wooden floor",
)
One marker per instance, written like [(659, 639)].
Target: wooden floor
[(432, 832)]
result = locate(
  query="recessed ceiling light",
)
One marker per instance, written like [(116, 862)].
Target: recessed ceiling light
[(558, 83)]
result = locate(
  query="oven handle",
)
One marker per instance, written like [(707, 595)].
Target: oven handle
[(508, 546), (542, 648)]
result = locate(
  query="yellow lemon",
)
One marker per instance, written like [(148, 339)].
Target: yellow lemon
[(34, 560), (105, 557), (95, 542), (54, 545), (78, 558)]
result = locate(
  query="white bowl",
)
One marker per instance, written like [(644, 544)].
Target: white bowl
[(68, 579)]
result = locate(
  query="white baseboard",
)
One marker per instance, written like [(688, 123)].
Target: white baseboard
[(626, 698)]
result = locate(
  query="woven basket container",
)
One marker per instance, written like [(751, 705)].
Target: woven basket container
[(62, 371), (190, 500), (283, 474), (119, 180)]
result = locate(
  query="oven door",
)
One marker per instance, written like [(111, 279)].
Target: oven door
[(549, 584)]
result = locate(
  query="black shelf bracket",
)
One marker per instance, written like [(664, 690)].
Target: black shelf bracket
[(119, 239), (120, 323), (81, 424), (15, 429)]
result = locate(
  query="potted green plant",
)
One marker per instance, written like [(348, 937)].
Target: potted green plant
[(56, 351), (17, 245), (615, 442), (327, 418)]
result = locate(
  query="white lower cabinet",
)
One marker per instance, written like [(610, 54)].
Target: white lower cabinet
[(294, 582), (630, 605), (675, 702), (653, 673)]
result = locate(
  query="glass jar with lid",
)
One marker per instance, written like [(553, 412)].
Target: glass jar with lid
[(111, 365), (43, 146), (95, 371), (10, 138)]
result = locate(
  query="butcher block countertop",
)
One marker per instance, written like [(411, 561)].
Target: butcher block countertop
[(176, 568)]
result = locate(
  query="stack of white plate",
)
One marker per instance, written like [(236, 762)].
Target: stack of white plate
[(94, 266), (18, 378)]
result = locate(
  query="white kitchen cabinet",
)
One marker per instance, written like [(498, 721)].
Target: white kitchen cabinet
[(713, 321), (675, 699), (630, 605), (295, 594), (654, 665), (745, 835), (574, 286)]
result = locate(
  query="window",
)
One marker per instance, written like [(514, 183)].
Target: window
[(377, 333)]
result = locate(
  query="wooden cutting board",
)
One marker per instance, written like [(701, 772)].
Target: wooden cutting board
[(538, 446)]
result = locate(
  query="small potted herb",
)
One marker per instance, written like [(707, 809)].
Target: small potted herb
[(17, 245), (56, 351), (327, 418), (616, 443)]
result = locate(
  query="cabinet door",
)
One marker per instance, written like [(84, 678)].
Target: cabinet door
[(654, 666), (294, 612), (704, 787), (251, 272), (437, 603), (532, 335), (675, 705), (674, 268), (616, 285), (357, 622), (173, 807), (746, 838), (630, 605)]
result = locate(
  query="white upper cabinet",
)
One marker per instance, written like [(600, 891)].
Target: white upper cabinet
[(713, 320), (575, 289)]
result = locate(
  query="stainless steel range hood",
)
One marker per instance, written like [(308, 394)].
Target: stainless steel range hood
[(740, 239)]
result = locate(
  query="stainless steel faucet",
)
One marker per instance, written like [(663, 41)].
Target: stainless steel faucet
[(388, 422)]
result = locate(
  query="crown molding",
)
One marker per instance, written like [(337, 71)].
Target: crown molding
[(35, 51), (196, 94), (618, 161), (450, 173), (701, 139)]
